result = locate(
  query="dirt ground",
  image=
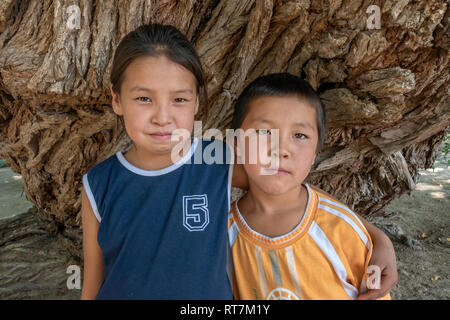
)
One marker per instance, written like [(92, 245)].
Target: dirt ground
[(12, 197), (418, 225)]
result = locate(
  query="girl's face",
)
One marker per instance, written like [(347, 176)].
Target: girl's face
[(157, 96), (294, 152)]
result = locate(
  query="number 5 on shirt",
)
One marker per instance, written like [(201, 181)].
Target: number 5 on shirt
[(195, 212)]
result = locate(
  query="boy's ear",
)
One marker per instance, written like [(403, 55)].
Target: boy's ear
[(115, 101)]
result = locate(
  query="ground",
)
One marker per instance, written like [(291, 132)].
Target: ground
[(418, 225)]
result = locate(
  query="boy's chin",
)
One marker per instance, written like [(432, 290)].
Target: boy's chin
[(278, 189)]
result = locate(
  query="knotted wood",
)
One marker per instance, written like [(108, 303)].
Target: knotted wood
[(386, 91)]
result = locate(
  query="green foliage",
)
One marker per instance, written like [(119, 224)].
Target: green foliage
[(2, 163)]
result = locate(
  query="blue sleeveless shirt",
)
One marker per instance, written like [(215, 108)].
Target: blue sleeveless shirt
[(163, 233)]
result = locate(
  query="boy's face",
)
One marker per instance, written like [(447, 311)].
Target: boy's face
[(295, 150)]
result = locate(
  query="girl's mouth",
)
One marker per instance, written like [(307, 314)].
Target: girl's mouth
[(161, 136)]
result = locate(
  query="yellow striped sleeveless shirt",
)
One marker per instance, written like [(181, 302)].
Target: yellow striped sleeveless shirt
[(325, 257)]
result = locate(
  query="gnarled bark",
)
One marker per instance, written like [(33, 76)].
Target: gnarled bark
[(386, 91)]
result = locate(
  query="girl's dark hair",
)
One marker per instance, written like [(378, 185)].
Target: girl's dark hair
[(154, 40), (280, 84)]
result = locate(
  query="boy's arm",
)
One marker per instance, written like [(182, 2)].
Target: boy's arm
[(93, 273), (383, 256)]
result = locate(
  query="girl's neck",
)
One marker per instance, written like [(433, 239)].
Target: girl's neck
[(145, 160)]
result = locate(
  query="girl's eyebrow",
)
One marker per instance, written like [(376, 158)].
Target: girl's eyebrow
[(183, 91), (137, 88), (262, 120)]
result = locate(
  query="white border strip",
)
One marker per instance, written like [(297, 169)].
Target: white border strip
[(326, 247), (151, 173), (339, 205), (262, 276), (88, 190), (344, 217), (233, 232), (284, 235), (293, 271), (230, 179)]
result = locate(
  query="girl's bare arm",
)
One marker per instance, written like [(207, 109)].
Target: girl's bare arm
[(93, 264)]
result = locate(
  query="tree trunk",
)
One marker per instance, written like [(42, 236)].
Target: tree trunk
[(386, 90)]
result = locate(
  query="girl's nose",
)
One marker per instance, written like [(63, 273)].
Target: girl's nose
[(162, 115)]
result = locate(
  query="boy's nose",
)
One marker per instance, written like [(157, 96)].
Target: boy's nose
[(282, 153), (281, 149)]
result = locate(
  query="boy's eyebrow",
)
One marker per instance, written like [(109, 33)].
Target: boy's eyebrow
[(304, 125), (297, 124), (262, 120), (137, 88)]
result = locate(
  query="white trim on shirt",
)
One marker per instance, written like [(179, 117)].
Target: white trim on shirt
[(91, 198), (151, 173)]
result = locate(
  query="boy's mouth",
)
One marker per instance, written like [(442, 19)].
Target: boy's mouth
[(274, 172), (281, 172)]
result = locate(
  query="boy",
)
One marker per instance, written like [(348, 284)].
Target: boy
[(288, 240)]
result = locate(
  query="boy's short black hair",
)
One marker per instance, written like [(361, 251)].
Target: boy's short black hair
[(280, 84)]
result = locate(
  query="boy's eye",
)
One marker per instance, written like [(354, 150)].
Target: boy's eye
[(263, 131), (300, 136), (143, 99), (180, 100)]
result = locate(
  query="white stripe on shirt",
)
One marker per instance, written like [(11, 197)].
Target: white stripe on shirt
[(355, 227), (326, 247)]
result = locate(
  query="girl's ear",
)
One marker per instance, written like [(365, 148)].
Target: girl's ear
[(197, 103), (116, 102)]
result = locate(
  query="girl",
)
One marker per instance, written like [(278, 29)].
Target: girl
[(154, 228)]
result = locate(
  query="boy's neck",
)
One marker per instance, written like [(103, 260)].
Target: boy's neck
[(269, 204), (274, 215)]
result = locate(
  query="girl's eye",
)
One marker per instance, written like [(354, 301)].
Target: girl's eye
[(180, 100), (144, 99), (300, 136), (263, 131)]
